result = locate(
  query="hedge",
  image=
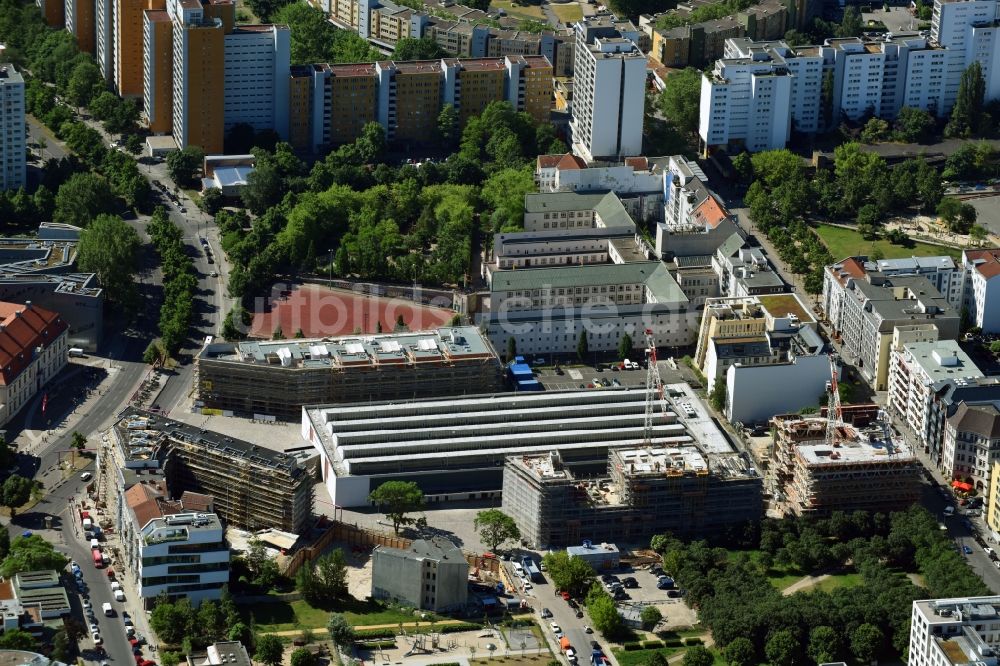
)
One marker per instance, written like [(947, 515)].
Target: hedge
[(373, 645), (673, 642), (652, 644), (365, 634), (693, 641), (632, 646), (464, 626)]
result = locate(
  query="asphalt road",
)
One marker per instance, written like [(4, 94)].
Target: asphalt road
[(38, 133)]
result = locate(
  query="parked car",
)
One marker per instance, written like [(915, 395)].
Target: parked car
[(557, 630), (966, 550), (546, 613), (630, 582)]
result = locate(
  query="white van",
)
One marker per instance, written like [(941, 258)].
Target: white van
[(119, 595), (518, 569), (95, 544), (108, 610), (75, 351)]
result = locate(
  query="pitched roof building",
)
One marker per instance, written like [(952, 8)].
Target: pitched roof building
[(33, 349)]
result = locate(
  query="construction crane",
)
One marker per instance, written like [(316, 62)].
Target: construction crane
[(834, 411), (654, 388)]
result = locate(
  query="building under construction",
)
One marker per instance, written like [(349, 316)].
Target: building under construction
[(647, 491), (847, 468), (276, 378), (253, 487)]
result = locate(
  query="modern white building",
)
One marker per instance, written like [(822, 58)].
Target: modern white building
[(257, 77), (609, 89), (170, 549), (755, 393), (569, 173), (13, 160), (760, 92), (943, 273), (917, 372), (968, 30), (954, 632), (982, 288)]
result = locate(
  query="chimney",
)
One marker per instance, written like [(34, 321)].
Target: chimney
[(27, 304)]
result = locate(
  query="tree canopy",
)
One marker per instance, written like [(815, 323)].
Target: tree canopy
[(30, 553), (680, 99), (495, 528), (314, 39), (412, 48), (397, 500), (570, 574), (109, 247)]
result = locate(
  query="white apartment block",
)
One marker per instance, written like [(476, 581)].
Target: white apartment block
[(746, 101), (257, 77), (946, 276), (982, 288), (104, 19), (955, 632), (968, 30), (569, 173), (917, 372), (609, 89), (13, 161)]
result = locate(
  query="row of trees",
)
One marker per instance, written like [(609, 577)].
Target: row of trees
[(179, 281), (180, 623), (752, 621)]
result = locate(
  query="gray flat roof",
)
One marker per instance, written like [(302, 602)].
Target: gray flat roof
[(653, 274), (943, 359)]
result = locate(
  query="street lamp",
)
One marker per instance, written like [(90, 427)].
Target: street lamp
[(331, 265)]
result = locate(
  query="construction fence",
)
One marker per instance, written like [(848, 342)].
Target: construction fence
[(365, 539)]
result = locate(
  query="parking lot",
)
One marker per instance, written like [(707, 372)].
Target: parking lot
[(676, 613), (589, 376)]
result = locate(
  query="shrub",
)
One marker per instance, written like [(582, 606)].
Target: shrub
[(465, 626), (652, 644), (632, 646), (673, 642), (693, 641), (367, 634)]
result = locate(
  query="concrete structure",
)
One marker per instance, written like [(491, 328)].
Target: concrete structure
[(609, 89), (104, 47), (13, 157), (864, 307), (691, 489), (33, 350), (276, 378), (603, 556), (637, 181), (545, 310), (746, 320), (982, 287), (252, 487), (170, 549), (865, 468), (687, 203), (126, 42), (567, 211), (80, 23), (967, 30), (917, 372), (333, 103), (762, 91), (227, 173), (942, 272), (24, 658), (218, 654), (790, 374), (209, 53), (41, 592), (432, 574), (455, 448), (954, 632), (53, 12), (745, 271), (991, 502), (39, 270)]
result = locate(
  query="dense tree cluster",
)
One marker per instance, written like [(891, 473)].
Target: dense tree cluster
[(379, 221), (314, 39), (412, 48), (110, 248), (702, 13), (570, 574), (28, 553), (752, 621), (179, 281), (325, 580), (861, 186), (179, 623)]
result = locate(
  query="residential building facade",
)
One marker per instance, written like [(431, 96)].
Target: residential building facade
[(13, 158), (33, 350), (609, 88), (954, 631), (982, 288), (431, 574)]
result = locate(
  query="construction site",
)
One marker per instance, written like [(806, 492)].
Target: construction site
[(253, 487), (692, 485), (826, 463), (862, 468), (275, 379)]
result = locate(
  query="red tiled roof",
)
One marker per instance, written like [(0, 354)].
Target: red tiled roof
[(570, 162), (640, 163), (24, 328), (849, 267), (987, 262), (192, 501), (548, 161), (710, 213)]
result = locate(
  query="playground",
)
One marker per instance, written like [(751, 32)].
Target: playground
[(320, 311)]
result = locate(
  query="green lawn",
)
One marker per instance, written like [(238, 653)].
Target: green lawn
[(847, 242), (529, 12), (640, 657), (568, 13), (289, 616), (833, 582)]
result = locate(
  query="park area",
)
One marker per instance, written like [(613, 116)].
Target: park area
[(843, 242)]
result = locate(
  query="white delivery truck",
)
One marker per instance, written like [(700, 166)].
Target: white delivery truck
[(108, 610)]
